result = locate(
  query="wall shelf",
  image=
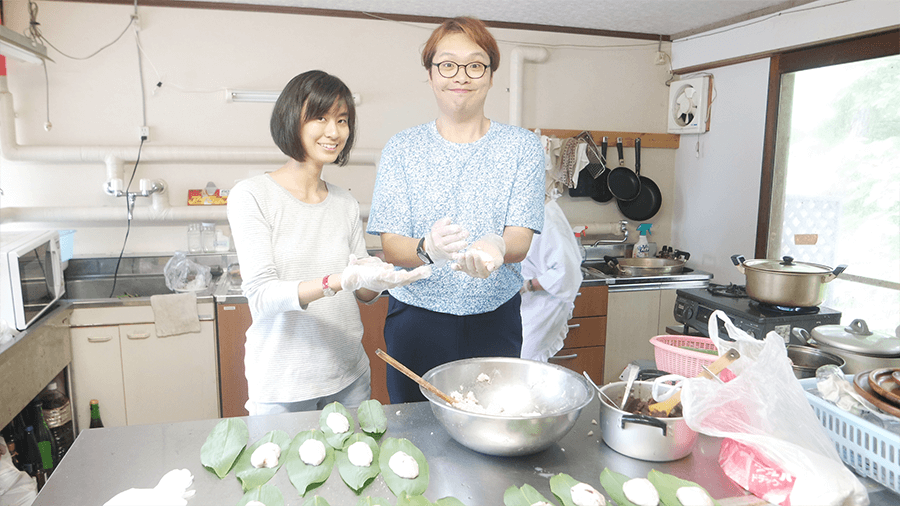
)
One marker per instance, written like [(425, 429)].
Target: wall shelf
[(648, 140)]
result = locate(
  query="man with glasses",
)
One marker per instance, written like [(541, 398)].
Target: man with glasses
[(464, 194)]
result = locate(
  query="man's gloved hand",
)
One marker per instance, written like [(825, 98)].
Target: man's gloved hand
[(374, 274), (445, 239), (482, 258)]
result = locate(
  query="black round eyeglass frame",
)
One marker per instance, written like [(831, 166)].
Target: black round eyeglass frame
[(469, 72)]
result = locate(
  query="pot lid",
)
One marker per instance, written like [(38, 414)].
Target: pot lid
[(857, 338), (787, 265)]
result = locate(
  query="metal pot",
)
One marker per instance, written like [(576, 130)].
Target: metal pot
[(642, 437), (861, 349), (646, 266), (806, 360), (785, 282)]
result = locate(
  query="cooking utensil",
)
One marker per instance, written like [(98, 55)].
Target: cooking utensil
[(649, 198), (886, 383), (806, 360), (785, 282), (598, 162), (640, 436), (632, 374), (665, 407), (861, 349), (598, 389), (415, 377), (862, 387), (646, 266), (523, 388), (623, 183), (601, 191)]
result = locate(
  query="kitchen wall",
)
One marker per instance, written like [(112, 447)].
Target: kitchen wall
[(587, 83)]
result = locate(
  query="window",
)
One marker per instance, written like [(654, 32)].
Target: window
[(833, 172)]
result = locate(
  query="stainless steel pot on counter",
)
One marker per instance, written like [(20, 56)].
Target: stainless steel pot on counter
[(639, 436), (647, 266), (861, 349), (805, 360), (786, 282)]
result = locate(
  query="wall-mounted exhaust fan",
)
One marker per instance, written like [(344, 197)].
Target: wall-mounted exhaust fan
[(688, 106)]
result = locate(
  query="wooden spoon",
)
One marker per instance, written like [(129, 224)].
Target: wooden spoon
[(662, 409), (415, 377)]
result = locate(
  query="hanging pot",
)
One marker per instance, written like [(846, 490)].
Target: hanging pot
[(623, 183), (785, 282), (649, 197)]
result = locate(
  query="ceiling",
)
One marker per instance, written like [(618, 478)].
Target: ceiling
[(671, 18)]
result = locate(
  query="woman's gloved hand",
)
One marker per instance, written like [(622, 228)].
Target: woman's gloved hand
[(374, 274), (482, 258), (445, 239)]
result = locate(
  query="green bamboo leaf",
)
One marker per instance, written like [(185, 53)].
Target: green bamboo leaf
[(416, 500), (667, 485), (526, 495), (449, 501), (373, 501), (251, 477), (354, 476), (561, 486), (336, 440), (371, 418), (398, 485), (266, 494), (316, 501), (613, 482), (223, 445), (303, 476)]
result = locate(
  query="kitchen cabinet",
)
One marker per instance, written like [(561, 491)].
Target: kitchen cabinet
[(585, 346), (232, 321), (633, 318), (139, 377), (373, 316)]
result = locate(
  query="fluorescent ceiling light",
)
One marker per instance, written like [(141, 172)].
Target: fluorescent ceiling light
[(22, 48), (251, 96)]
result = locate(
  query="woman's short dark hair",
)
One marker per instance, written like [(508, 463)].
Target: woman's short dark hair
[(308, 96)]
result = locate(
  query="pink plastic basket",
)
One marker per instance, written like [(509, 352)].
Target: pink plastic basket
[(672, 357)]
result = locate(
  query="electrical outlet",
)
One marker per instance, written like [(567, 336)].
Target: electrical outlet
[(145, 133)]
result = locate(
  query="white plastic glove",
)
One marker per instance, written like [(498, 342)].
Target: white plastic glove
[(482, 258), (171, 491), (445, 239), (376, 275)]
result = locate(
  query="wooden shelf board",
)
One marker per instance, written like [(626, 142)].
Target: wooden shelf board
[(648, 140)]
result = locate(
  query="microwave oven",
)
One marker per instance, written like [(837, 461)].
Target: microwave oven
[(31, 275)]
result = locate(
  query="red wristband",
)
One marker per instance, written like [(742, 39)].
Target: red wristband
[(326, 290)]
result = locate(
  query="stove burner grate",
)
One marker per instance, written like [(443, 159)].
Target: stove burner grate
[(730, 290), (775, 310)]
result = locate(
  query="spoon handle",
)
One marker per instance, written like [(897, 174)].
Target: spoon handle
[(413, 376)]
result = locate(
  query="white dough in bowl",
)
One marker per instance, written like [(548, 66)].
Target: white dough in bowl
[(641, 492), (693, 496), (312, 452), (337, 422), (360, 454), (404, 465), (266, 455), (586, 495)]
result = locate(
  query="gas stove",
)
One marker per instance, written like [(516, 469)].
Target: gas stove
[(693, 307)]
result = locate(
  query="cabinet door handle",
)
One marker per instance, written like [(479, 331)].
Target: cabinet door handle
[(578, 294), (99, 339), (564, 357), (574, 325), (138, 335)]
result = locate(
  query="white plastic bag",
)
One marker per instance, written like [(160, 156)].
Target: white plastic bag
[(16, 487), (185, 275), (775, 446)]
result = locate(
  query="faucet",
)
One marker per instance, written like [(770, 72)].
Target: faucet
[(148, 187), (623, 227)]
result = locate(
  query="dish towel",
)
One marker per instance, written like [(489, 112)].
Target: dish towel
[(175, 313)]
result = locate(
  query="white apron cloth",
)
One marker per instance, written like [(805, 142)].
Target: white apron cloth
[(555, 260)]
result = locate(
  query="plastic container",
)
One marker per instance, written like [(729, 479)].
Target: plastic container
[(208, 237), (58, 415), (674, 356), (223, 242), (869, 450), (193, 238), (642, 247)]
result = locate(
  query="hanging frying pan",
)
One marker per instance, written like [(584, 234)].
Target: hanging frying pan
[(649, 199), (601, 191), (623, 183)]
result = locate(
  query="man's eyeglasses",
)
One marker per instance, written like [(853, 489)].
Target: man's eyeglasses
[(449, 69)]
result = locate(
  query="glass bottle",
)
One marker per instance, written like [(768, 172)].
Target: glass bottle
[(45, 442), (193, 237), (58, 415), (32, 458), (208, 237), (96, 423)]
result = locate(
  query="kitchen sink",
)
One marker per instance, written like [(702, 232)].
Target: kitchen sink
[(125, 287), (597, 270)]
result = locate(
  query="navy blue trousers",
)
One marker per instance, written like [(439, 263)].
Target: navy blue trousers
[(421, 340)]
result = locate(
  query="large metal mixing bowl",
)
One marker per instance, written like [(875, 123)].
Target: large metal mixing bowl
[(540, 403)]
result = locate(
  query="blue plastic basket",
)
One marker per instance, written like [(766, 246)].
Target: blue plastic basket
[(869, 450)]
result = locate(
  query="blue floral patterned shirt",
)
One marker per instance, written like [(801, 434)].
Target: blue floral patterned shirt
[(484, 186)]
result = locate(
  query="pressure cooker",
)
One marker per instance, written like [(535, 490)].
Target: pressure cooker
[(786, 282)]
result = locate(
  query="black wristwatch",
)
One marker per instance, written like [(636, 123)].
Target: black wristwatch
[(420, 251)]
